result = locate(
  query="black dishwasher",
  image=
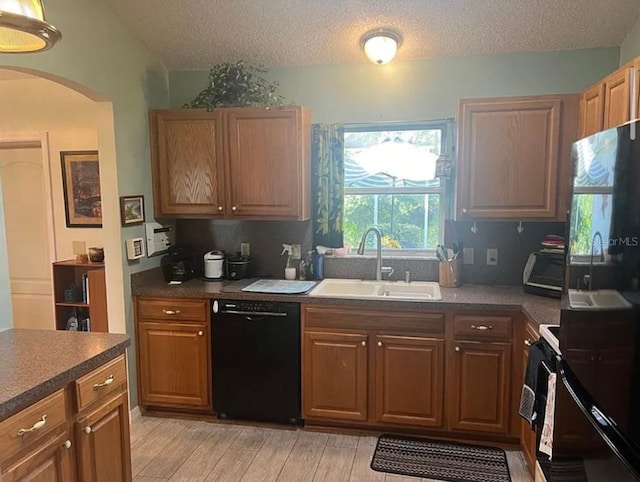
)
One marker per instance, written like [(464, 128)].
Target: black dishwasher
[(256, 360)]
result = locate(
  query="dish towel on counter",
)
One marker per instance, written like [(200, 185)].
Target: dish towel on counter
[(530, 404), (546, 437)]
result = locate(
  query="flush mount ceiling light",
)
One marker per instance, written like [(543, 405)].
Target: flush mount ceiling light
[(23, 27), (381, 45)]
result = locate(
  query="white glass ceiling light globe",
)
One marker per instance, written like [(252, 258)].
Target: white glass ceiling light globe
[(23, 27), (381, 46)]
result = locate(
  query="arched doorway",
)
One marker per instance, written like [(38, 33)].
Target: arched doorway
[(68, 117)]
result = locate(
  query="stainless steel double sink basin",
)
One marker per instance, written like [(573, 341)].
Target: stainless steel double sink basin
[(380, 290)]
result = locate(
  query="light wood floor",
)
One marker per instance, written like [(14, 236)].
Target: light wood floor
[(183, 450)]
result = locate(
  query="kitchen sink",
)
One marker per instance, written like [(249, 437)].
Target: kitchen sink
[(597, 300), (391, 290)]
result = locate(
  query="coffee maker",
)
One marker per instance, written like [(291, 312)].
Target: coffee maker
[(178, 264)]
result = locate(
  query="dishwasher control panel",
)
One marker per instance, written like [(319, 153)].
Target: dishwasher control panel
[(251, 306)]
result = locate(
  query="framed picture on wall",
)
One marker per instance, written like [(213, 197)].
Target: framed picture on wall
[(132, 210), (81, 187)]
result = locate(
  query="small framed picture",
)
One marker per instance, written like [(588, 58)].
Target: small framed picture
[(132, 210), (81, 186)]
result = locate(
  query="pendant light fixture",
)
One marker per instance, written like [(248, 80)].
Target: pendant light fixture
[(381, 45), (23, 27)]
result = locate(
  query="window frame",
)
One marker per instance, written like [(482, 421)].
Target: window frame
[(442, 190)]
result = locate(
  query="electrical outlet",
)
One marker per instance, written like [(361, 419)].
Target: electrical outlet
[(492, 257), (245, 249), (295, 251), (468, 255)]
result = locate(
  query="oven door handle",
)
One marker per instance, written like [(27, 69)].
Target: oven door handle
[(625, 450), (253, 313)]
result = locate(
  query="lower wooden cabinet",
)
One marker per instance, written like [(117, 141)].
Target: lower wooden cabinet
[(103, 442), (481, 387), (173, 341), (409, 380), (50, 460), (174, 364), (68, 436), (334, 374)]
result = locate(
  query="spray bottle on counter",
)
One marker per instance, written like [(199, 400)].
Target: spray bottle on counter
[(289, 270)]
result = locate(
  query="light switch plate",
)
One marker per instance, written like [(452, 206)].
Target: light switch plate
[(245, 249), (492, 257), (468, 255), (295, 251)]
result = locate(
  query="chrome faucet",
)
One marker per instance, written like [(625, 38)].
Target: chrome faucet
[(379, 268), (588, 278)]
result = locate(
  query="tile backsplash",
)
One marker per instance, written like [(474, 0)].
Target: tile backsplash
[(513, 248), (266, 238)]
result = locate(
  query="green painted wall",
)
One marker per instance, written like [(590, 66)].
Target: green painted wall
[(630, 48), (421, 89), (6, 315), (98, 52)]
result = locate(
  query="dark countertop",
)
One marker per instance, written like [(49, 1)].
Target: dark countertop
[(538, 309), (35, 363)]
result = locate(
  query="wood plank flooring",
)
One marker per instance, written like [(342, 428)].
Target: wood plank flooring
[(165, 449)]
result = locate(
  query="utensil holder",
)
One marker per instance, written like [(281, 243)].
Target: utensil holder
[(450, 273)]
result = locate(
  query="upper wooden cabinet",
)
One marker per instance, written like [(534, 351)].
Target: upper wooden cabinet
[(617, 98), (607, 103), (514, 157), (249, 163), (186, 163), (592, 110), (268, 170)]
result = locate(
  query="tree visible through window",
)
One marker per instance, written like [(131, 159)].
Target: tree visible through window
[(390, 183)]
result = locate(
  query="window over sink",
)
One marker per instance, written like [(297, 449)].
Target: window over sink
[(390, 182)]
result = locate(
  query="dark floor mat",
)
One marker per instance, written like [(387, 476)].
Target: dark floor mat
[(434, 459)]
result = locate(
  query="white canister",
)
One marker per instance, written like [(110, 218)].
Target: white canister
[(213, 264)]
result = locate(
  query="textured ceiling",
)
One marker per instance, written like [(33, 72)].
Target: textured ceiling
[(196, 34)]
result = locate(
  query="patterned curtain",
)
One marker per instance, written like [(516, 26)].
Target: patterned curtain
[(327, 164)]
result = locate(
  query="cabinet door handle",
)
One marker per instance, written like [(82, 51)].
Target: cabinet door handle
[(233, 208), (171, 312), (482, 327), (465, 210), (109, 380), (87, 429), (457, 348), (219, 208), (527, 343), (67, 444), (363, 343), (36, 426), (200, 333), (379, 343)]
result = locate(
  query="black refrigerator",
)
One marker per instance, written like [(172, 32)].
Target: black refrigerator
[(606, 201)]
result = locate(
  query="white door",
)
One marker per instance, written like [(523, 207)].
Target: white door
[(25, 201)]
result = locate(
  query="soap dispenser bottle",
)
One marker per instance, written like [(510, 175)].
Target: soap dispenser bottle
[(290, 269)]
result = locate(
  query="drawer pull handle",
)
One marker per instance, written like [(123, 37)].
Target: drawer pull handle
[(482, 327), (87, 430), (171, 312), (527, 342), (36, 426), (234, 208), (67, 444), (107, 382), (363, 343), (200, 333), (379, 343), (457, 348), (219, 208)]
